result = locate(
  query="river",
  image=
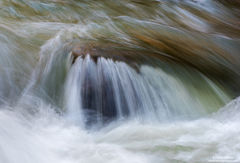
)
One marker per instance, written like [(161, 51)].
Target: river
[(133, 81)]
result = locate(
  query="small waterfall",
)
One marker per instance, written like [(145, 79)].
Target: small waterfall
[(102, 90)]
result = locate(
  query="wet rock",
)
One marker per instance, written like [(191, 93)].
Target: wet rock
[(111, 51), (83, 50), (129, 55)]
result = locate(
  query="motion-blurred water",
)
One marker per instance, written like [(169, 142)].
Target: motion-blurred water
[(155, 92)]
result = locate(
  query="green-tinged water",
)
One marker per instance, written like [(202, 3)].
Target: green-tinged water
[(138, 81)]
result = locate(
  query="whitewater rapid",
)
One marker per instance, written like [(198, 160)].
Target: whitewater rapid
[(50, 138)]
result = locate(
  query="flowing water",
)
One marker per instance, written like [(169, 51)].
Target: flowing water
[(158, 81)]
